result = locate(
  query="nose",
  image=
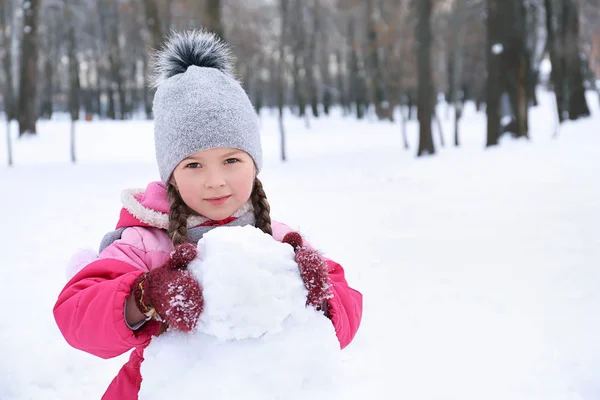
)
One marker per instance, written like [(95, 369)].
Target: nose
[(214, 179)]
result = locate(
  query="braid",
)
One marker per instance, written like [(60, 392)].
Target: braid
[(261, 207), (178, 215)]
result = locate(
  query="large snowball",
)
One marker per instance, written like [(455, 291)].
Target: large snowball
[(256, 339)]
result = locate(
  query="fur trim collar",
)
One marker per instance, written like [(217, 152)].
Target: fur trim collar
[(160, 219)]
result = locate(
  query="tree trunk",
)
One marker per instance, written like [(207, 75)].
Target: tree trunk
[(146, 90), (403, 127), (494, 91), (115, 63), (283, 8), (74, 84), (213, 20), (9, 143), (425, 100), (8, 86), (111, 112), (310, 67), (324, 63), (356, 84), (578, 106), (522, 98), (556, 50), (508, 66), (341, 89), (457, 98), (89, 92), (516, 58), (133, 105), (28, 81), (100, 111), (297, 82), (383, 108), (439, 127), (47, 95), (153, 23), (298, 64)]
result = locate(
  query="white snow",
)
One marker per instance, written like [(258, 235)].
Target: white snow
[(250, 282), (479, 268), (497, 48), (545, 67), (256, 339)]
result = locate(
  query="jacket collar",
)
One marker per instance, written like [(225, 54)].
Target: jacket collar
[(150, 207)]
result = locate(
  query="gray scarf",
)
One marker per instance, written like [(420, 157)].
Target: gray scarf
[(194, 233)]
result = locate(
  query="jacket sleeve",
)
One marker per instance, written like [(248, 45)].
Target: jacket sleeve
[(345, 307), (90, 309)]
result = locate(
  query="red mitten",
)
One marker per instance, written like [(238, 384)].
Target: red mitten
[(313, 270), (170, 293)]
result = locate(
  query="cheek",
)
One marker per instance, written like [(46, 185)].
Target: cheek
[(244, 183), (190, 191)]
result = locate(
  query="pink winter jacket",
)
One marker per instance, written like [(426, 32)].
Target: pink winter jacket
[(90, 309)]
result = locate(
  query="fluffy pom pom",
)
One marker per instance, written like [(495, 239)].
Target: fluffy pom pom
[(194, 47), (294, 239)]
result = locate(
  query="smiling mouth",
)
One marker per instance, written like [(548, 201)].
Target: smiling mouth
[(218, 198), (217, 201)]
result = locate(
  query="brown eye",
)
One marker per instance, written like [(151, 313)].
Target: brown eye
[(231, 160), (193, 165)]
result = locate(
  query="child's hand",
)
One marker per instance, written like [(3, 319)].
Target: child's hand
[(313, 271), (170, 293)]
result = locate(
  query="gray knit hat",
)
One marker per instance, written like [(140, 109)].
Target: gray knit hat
[(199, 104)]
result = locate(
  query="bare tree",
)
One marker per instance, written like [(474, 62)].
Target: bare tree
[(28, 82), (576, 91), (74, 84), (536, 39), (213, 20), (321, 15), (518, 83), (508, 70), (457, 58), (356, 74), (425, 98), (374, 63), (283, 7), (297, 29), (310, 65), (562, 22), (7, 82), (51, 37), (494, 91), (153, 23)]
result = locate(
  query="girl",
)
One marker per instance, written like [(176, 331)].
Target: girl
[(209, 154)]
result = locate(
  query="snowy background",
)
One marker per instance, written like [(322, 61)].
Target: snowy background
[(480, 269)]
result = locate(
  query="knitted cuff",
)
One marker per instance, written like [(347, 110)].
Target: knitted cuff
[(142, 298)]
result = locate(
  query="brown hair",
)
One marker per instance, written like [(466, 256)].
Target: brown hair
[(262, 209), (178, 216), (179, 213)]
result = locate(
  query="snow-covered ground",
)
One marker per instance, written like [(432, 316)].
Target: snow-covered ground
[(480, 269)]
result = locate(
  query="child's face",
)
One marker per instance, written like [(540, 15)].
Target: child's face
[(216, 182)]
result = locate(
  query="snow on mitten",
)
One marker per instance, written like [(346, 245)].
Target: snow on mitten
[(313, 270), (170, 293)]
